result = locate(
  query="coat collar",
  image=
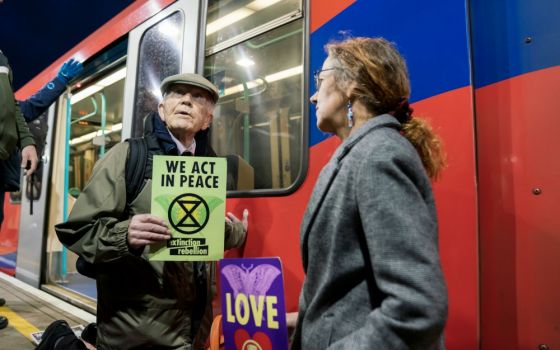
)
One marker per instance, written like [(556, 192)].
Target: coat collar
[(155, 126), (329, 172), (384, 120)]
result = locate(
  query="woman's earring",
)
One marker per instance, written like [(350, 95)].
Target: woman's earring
[(350, 115)]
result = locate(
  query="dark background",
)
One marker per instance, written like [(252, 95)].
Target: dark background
[(34, 33)]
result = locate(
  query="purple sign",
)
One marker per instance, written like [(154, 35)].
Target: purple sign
[(253, 306)]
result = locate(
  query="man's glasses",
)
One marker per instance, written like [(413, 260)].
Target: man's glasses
[(318, 80)]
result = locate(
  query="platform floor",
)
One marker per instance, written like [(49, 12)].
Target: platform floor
[(31, 310)]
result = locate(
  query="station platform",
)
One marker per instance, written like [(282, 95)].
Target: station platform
[(30, 310)]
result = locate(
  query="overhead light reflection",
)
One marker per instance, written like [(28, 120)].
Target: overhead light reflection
[(228, 19), (245, 62), (100, 85), (287, 73), (238, 15), (261, 4), (92, 135), (168, 29)]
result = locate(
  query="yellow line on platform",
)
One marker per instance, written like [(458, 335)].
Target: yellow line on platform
[(18, 322)]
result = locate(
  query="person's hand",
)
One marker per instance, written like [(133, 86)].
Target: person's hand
[(232, 219), (3, 60), (291, 322), (146, 229), (69, 70), (29, 155), (88, 345), (4, 65), (291, 319)]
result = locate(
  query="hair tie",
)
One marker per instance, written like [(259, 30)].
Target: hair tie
[(403, 112)]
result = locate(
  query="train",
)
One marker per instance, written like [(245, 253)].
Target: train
[(482, 72)]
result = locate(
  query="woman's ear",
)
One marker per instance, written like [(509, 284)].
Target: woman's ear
[(350, 91)]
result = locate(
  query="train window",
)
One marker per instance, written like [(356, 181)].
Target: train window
[(159, 56), (227, 19), (258, 124), (96, 123)]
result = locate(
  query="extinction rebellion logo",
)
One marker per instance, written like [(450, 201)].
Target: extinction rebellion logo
[(188, 214)]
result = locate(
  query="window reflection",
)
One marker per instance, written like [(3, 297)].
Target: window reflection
[(228, 19), (259, 115), (96, 121), (159, 57)]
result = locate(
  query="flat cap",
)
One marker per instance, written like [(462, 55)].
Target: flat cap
[(190, 79)]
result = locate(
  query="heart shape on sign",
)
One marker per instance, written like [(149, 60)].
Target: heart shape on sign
[(259, 341)]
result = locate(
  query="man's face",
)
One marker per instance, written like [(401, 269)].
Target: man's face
[(186, 109)]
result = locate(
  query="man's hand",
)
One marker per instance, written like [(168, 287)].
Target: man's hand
[(291, 321), (236, 230), (29, 154), (146, 229), (232, 219)]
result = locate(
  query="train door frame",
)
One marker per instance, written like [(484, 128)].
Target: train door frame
[(192, 18), (31, 242)]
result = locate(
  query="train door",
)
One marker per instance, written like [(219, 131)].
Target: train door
[(106, 107), (88, 124), (33, 198), (516, 56)]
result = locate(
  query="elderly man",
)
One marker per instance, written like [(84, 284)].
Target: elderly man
[(142, 303)]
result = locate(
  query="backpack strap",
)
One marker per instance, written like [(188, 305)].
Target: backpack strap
[(135, 169), (139, 165)]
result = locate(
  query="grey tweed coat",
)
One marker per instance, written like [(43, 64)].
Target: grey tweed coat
[(369, 241)]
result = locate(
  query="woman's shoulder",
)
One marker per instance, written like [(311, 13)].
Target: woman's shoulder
[(385, 140), (387, 147)]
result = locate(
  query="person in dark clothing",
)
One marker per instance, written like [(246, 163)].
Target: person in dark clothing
[(33, 110), (13, 133), (143, 303), (36, 105), (30, 109)]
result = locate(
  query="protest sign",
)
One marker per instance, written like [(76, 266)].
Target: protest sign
[(190, 194), (253, 305)]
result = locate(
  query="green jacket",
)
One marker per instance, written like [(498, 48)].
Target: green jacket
[(13, 127), (141, 303)]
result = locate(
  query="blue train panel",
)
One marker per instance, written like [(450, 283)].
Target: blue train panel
[(513, 37), (431, 35)]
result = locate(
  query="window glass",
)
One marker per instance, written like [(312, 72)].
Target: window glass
[(159, 57), (258, 120), (96, 124), (227, 19), (95, 127)]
